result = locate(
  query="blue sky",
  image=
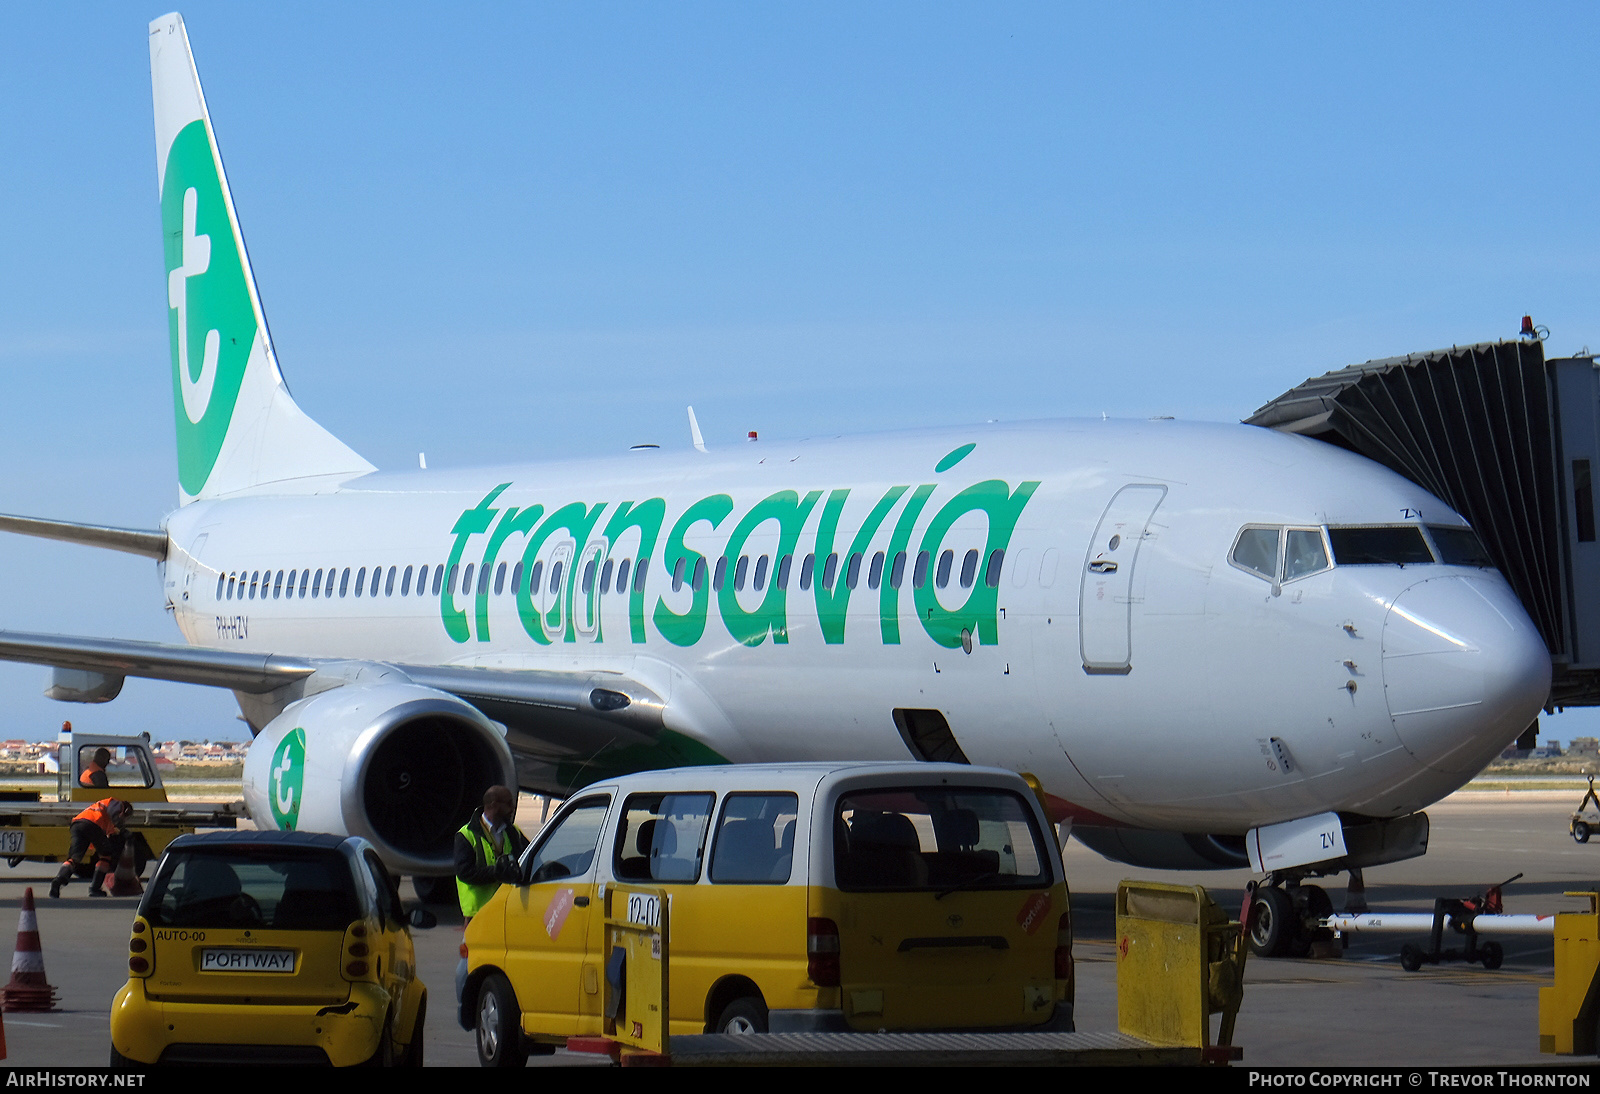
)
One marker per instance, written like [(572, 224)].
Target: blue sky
[(511, 232)]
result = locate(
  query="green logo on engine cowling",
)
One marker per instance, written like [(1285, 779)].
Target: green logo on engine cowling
[(285, 779), (210, 319)]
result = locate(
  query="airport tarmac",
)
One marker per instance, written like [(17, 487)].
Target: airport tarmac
[(1361, 1009)]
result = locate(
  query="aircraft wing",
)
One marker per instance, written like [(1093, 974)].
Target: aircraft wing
[(564, 712)]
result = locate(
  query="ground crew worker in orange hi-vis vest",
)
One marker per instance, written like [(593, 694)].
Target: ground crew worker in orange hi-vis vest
[(94, 776), (100, 826)]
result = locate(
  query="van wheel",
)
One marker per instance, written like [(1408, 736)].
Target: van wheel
[(499, 1025), (746, 1015)]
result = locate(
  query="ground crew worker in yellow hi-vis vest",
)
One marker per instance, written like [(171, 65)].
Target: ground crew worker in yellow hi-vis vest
[(486, 853)]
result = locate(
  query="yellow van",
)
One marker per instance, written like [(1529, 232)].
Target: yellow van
[(803, 897)]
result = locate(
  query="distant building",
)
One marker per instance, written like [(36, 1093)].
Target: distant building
[(1585, 746)]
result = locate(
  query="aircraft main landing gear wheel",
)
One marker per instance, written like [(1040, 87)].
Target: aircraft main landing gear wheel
[(1580, 831), (1491, 954), (1271, 922)]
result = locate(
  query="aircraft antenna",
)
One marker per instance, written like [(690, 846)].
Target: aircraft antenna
[(694, 433)]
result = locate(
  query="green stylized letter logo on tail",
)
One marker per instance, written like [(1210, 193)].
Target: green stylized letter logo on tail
[(285, 779), (212, 321)]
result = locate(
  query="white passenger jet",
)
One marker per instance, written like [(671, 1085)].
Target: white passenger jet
[(1213, 644)]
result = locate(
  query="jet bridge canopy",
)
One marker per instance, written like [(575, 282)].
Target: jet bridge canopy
[(1508, 440)]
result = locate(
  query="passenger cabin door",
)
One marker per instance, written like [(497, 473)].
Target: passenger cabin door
[(1105, 598)]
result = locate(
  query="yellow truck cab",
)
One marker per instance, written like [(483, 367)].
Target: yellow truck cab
[(801, 897)]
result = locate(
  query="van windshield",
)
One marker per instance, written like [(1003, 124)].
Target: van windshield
[(937, 839), (277, 888)]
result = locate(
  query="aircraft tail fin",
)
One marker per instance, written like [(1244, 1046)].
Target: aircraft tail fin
[(238, 427)]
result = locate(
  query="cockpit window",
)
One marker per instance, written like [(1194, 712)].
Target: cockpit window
[(1459, 546), (1256, 550), (1304, 553), (1391, 545)]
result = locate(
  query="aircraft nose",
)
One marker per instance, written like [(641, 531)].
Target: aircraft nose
[(1464, 670)]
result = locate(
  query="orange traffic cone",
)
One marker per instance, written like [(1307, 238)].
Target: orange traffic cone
[(125, 882), (28, 989)]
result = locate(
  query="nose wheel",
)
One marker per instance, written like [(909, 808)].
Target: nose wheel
[(1284, 921)]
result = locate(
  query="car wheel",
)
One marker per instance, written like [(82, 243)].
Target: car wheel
[(744, 1015), (1410, 958), (499, 1025), (1492, 954), (384, 1056), (1580, 831), (413, 1056), (119, 1062), (1271, 922)]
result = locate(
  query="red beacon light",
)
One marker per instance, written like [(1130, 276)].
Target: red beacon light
[(750, 436), (1527, 326)]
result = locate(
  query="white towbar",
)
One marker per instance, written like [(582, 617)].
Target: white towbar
[(1414, 922)]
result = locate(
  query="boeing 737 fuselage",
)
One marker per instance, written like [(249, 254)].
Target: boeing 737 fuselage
[(1190, 633)]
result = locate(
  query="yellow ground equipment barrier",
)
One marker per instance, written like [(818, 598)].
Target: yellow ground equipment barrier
[(636, 968), (1179, 961), (1570, 1011)]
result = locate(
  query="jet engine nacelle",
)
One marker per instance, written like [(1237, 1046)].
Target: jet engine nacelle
[(399, 764), (1165, 850)]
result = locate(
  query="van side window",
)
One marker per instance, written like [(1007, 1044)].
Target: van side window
[(662, 837), (755, 839), (568, 849)]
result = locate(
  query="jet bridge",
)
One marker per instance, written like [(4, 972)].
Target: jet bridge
[(1509, 440)]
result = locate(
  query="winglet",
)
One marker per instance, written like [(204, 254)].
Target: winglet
[(694, 433)]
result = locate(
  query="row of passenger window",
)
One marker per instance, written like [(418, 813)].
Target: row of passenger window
[(758, 573), (613, 574), (1284, 554)]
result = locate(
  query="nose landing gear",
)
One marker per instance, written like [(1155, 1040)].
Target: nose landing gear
[(1285, 919)]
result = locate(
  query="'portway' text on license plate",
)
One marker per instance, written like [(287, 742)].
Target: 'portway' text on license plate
[(239, 960)]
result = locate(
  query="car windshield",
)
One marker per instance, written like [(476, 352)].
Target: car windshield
[(276, 888), (937, 838)]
